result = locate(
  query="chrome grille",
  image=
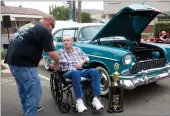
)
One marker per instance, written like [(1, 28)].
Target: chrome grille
[(148, 64)]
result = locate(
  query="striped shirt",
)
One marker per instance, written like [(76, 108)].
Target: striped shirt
[(68, 60)]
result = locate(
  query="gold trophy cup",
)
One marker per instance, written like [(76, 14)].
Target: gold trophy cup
[(115, 77), (115, 104)]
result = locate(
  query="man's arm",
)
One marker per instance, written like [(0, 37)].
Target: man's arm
[(84, 56), (54, 56), (49, 47), (84, 60), (161, 38)]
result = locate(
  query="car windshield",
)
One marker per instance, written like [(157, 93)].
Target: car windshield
[(89, 32)]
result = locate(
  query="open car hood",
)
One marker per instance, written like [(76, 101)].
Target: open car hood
[(129, 22)]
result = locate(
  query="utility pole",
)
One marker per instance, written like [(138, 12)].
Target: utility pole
[(74, 11), (79, 12), (70, 3)]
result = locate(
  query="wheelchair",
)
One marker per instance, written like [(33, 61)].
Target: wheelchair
[(61, 86)]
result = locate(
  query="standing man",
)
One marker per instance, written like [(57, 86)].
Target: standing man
[(23, 56), (71, 62)]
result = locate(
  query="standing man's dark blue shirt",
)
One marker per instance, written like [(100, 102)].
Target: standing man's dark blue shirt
[(27, 45)]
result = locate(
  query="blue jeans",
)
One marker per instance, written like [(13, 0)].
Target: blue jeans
[(75, 76), (29, 88)]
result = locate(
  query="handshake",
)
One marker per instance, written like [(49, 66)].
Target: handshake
[(54, 66)]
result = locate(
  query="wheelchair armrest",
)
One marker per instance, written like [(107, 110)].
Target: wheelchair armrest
[(86, 65)]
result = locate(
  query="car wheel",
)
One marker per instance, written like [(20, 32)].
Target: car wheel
[(46, 64), (104, 81)]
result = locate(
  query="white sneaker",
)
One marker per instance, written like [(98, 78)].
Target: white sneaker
[(80, 105), (97, 104)]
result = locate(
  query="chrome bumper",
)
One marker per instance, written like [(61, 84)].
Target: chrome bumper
[(131, 82)]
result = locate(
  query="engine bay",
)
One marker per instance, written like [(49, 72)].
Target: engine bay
[(141, 51)]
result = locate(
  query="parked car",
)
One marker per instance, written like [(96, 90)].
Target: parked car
[(118, 41)]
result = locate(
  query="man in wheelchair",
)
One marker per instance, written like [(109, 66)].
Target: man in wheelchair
[(71, 60)]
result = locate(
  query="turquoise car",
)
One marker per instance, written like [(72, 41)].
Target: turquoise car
[(118, 41)]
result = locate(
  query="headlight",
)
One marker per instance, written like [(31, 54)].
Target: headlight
[(127, 59)]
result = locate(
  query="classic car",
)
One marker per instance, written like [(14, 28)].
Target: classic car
[(118, 41)]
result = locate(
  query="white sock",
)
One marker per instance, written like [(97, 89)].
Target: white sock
[(95, 97), (79, 100)]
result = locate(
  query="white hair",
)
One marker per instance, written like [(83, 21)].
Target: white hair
[(68, 36)]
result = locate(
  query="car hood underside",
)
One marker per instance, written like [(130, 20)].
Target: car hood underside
[(129, 22)]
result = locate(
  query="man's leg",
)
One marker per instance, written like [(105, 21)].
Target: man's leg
[(75, 76), (76, 82), (21, 90), (29, 79), (94, 75)]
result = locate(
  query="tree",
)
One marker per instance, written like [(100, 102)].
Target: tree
[(85, 17), (61, 13), (50, 10)]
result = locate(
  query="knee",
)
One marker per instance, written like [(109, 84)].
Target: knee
[(94, 71), (75, 72)]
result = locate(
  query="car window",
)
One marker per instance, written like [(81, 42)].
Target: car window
[(71, 32), (57, 36), (89, 32)]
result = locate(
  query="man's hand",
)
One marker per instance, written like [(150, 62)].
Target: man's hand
[(54, 56), (54, 67), (79, 65)]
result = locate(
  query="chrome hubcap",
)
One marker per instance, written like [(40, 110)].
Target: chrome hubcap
[(46, 64), (104, 83)]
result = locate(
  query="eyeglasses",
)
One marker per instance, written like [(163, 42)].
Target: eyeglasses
[(50, 23)]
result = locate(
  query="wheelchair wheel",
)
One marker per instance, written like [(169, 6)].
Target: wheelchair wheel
[(56, 88), (64, 107)]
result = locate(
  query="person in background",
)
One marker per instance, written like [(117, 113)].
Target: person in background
[(164, 37), (23, 56), (71, 61)]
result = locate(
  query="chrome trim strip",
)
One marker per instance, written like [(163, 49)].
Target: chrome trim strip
[(102, 57), (150, 60)]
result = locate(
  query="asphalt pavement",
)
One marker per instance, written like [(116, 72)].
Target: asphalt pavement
[(149, 100)]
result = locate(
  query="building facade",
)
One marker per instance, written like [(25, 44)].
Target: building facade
[(114, 6), (19, 16)]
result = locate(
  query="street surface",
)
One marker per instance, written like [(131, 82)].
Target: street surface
[(150, 100)]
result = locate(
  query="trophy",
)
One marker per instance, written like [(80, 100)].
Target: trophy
[(115, 104)]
